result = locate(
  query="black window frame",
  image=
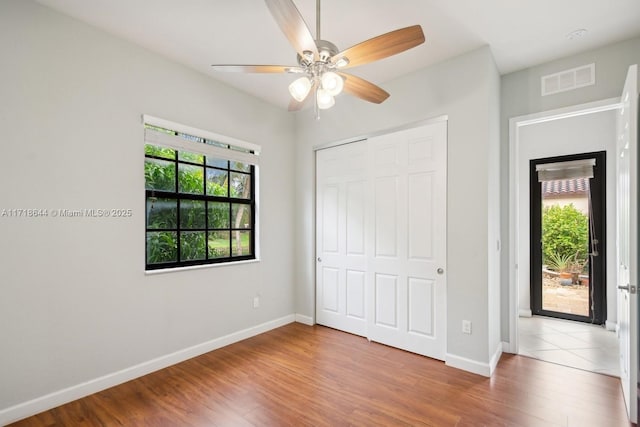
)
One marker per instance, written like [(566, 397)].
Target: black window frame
[(250, 202)]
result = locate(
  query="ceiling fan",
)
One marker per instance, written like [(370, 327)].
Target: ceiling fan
[(321, 63)]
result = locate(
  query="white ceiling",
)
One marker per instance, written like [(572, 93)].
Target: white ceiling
[(199, 33)]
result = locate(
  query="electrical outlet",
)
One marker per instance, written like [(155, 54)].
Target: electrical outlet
[(256, 302), (466, 327)]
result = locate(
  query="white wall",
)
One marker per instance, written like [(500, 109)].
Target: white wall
[(581, 134), (75, 302), (464, 88), (520, 95)]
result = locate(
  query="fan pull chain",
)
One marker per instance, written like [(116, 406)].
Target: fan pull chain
[(316, 109)]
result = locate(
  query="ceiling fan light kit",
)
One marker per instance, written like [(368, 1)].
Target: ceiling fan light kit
[(332, 83), (324, 99), (300, 88), (321, 62)]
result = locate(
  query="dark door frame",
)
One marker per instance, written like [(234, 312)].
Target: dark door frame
[(598, 268)]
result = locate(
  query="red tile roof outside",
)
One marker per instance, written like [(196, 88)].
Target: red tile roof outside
[(565, 187)]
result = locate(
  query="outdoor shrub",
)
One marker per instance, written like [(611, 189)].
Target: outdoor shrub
[(565, 234), (559, 262)]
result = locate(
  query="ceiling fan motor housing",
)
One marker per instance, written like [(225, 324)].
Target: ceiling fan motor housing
[(326, 50)]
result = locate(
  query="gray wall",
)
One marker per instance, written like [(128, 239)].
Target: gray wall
[(520, 95), (75, 302), (466, 89)]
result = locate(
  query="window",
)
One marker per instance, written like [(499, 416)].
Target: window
[(200, 199)]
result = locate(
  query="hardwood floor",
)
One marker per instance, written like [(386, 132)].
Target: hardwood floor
[(299, 375)]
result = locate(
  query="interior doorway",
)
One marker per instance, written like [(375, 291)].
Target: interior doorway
[(568, 237), (586, 127), (554, 135)]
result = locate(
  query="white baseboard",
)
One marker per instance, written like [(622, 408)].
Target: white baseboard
[(469, 365), (307, 320), (611, 326), (60, 397), (523, 312)]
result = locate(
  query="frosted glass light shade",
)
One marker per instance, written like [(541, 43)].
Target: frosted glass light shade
[(325, 99), (332, 83), (299, 89)]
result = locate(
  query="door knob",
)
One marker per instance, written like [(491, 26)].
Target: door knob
[(440, 271), (319, 259)]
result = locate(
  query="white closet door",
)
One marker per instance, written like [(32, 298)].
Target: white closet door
[(408, 258), (381, 239), (341, 174)]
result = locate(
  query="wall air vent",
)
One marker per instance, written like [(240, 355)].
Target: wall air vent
[(568, 79)]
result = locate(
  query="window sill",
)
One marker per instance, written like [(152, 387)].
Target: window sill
[(199, 267)]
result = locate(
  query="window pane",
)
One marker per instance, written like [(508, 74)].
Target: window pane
[(243, 167), (159, 129), (216, 143), (190, 179), (218, 215), (192, 245), (162, 213), (241, 215), (162, 247), (242, 150), (191, 157), (218, 163), (219, 244), (199, 209), (154, 150), (217, 182), (190, 137), (159, 175), (192, 214), (241, 243), (240, 185)]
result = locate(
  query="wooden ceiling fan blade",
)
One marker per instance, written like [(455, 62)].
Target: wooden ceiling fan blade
[(290, 21), (363, 89), (296, 106), (257, 68), (382, 46)]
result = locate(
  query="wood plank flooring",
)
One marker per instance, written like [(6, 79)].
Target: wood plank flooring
[(300, 375)]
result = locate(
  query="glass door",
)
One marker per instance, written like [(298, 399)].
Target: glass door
[(565, 246), (568, 237)]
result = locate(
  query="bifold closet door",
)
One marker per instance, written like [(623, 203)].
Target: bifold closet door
[(381, 239), (341, 188), (408, 259)]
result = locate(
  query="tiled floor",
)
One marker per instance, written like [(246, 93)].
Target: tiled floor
[(575, 344)]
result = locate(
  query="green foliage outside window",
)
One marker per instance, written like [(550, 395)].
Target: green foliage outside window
[(211, 226), (565, 236)]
